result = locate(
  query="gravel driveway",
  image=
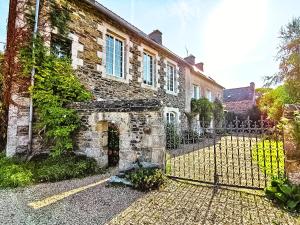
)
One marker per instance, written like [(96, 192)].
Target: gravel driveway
[(177, 203), (95, 205)]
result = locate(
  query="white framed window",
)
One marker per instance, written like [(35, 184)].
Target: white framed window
[(171, 117), (196, 92), (148, 69), (209, 95), (114, 56), (171, 81)]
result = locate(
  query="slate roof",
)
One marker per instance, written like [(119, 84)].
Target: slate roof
[(238, 94)]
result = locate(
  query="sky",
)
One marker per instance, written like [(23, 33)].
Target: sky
[(236, 39)]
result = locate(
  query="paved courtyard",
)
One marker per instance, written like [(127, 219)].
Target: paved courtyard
[(88, 201)]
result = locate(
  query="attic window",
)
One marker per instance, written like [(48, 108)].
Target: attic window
[(61, 46)]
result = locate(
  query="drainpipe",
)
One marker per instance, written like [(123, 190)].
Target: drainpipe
[(35, 31)]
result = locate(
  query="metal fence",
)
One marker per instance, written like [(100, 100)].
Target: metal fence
[(240, 154)]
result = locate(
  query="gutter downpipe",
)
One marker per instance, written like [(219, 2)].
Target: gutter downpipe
[(35, 31)]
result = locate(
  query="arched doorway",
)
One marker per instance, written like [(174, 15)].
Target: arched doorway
[(113, 144)]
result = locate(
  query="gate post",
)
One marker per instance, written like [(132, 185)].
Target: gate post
[(291, 145)]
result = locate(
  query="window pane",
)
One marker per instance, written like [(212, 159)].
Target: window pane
[(109, 54), (170, 78), (118, 58), (150, 74), (145, 68)]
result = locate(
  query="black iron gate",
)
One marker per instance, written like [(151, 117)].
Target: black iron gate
[(239, 154)]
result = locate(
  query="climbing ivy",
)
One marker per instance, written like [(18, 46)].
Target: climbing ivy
[(60, 16), (56, 86)]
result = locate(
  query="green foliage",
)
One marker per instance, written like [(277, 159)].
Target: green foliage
[(56, 86), (272, 102), (15, 173), (218, 112), (146, 179), (270, 157), (62, 168), (284, 193), (254, 114), (60, 16), (204, 108), (289, 58), (172, 137)]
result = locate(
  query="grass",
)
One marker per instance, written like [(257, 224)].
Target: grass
[(16, 173), (269, 155)]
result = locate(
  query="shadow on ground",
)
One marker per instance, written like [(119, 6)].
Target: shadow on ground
[(183, 203)]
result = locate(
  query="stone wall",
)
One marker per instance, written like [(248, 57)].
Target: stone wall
[(90, 27), (292, 149), (140, 124)]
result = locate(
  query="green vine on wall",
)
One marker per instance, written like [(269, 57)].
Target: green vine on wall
[(60, 16), (56, 86)]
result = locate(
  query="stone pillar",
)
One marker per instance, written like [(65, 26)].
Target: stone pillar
[(292, 150)]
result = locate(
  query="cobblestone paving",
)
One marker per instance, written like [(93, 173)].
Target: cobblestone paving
[(181, 203)]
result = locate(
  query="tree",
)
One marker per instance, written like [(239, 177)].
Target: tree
[(203, 107), (289, 57), (273, 101), (218, 112)]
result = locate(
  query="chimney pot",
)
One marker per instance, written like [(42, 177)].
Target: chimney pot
[(200, 66), (190, 59), (156, 36)]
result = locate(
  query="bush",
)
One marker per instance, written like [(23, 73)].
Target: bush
[(15, 173), (284, 193), (62, 168), (172, 137), (146, 179)]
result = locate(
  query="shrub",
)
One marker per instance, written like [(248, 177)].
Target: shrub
[(62, 168), (14, 173), (284, 193), (146, 179), (172, 137)]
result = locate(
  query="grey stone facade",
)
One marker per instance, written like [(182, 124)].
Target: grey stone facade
[(140, 124)]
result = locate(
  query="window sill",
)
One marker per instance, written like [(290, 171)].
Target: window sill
[(112, 77), (172, 92), (147, 86)]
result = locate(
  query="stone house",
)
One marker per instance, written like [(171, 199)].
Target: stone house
[(240, 100), (136, 82)]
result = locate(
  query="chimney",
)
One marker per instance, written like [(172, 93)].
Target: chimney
[(156, 36), (190, 59), (252, 85), (200, 66)]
